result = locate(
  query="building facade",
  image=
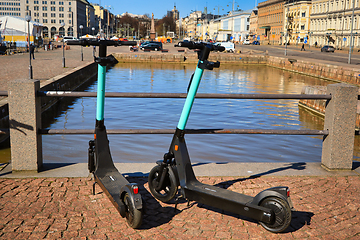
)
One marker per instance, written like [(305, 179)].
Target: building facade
[(253, 25), (271, 21), (53, 14), (297, 21), (331, 22)]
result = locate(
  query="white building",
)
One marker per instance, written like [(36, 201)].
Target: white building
[(330, 22)]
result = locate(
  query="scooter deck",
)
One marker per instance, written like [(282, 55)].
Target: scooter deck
[(226, 200), (106, 174)]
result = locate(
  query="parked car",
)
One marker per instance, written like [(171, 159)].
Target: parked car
[(327, 48), (151, 46), (229, 46), (69, 38), (246, 42), (148, 42), (255, 43)]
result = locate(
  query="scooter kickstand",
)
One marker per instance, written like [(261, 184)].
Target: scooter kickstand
[(94, 183), (177, 202)]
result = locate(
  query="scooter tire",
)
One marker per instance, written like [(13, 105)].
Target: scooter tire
[(133, 216), (282, 212), (169, 190)]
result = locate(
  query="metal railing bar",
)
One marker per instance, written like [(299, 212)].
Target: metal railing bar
[(188, 131), (183, 95)]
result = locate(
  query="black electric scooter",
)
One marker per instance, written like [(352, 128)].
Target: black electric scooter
[(124, 196), (272, 207)]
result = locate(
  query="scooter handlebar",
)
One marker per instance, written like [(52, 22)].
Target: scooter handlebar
[(200, 46)]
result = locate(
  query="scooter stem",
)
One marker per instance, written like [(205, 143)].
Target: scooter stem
[(101, 85), (190, 98)]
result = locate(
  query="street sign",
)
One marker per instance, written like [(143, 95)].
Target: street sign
[(344, 39), (305, 41)]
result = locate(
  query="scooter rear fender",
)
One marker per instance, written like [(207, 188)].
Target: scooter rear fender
[(135, 198), (280, 192)]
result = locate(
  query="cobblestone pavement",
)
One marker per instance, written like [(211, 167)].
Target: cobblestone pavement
[(47, 64), (54, 208)]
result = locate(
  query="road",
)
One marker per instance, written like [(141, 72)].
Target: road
[(314, 53)]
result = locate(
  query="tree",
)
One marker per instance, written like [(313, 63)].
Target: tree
[(166, 24)]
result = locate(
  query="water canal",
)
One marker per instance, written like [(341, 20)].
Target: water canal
[(124, 113)]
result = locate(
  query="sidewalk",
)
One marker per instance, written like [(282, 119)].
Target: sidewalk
[(47, 64), (54, 208)]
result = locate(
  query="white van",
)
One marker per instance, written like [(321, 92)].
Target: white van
[(68, 38), (229, 46)]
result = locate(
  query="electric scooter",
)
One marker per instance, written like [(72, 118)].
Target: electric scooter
[(271, 207), (123, 195)]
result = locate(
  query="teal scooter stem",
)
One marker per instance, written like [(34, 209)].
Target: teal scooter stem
[(190, 97), (100, 101)]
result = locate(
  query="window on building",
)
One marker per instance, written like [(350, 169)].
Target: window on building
[(44, 2), (303, 14), (61, 15), (44, 8), (45, 20), (61, 3), (53, 15), (52, 2), (61, 9), (36, 8), (302, 27), (69, 9), (69, 21), (36, 2), (53, 9), (44, 14), (53, 20), (69, 3)]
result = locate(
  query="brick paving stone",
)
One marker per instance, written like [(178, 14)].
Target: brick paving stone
[(95, 218)]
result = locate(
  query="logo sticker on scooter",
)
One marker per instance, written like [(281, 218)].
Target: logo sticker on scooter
[(210, 189), (113, 179)]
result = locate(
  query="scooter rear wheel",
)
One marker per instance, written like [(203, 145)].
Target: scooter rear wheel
[(133, 216), (169, 189), (282, 213)]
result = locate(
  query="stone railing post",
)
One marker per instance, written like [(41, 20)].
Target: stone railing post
[(340, 114), (24, 122)]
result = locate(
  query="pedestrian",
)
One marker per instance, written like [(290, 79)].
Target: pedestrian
[(32, 48), (315, 44), (303, 47)]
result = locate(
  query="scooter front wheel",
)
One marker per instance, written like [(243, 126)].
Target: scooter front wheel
[(169, 188), (282, 214), (133, 216)]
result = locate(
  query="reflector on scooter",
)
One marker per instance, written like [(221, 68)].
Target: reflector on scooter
[(135, 189), (176, 147)]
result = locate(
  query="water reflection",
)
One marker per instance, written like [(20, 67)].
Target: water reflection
[(206, 113)]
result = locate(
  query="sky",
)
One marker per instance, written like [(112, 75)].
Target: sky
[(160, 7)]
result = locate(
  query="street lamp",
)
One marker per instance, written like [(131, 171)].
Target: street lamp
[(28, 19), (81, 28), (93, 29), (63, 57)]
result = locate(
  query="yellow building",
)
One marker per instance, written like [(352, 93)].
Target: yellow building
[(297, 21), (271, 21)]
